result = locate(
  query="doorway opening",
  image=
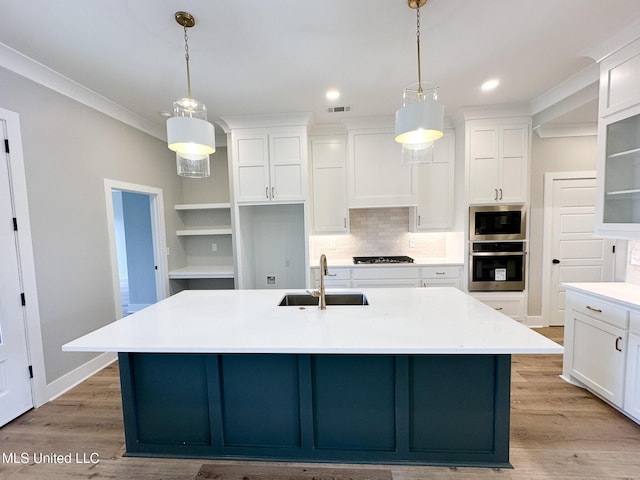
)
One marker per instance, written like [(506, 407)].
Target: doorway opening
[(136, 228)]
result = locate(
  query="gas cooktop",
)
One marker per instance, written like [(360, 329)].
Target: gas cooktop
[(383, 259)]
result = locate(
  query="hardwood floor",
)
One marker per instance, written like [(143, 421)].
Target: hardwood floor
[(558, 432)]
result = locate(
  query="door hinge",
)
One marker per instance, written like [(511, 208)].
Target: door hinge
[(30, 371), (15, 224), (6, 145), (23, 299)]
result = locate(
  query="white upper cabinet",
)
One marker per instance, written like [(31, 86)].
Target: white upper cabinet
[(435, 192), (498, 159), (618, 164), (269, 164), (329, 167), (376, 176)]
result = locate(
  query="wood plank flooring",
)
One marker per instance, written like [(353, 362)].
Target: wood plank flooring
[(558, 432)]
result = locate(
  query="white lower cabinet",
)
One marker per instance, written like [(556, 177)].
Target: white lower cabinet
[(632, 377), (512, 304), (602, 349), (441, 276), (389, 276)]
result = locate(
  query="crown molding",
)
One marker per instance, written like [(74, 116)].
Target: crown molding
[(24, 66), (227, 123), (614, 43)]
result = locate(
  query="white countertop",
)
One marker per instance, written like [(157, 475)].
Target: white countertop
[(397, 321), (417, 262), (627, 293)]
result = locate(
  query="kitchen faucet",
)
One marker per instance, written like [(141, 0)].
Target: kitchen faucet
[(324, 270)]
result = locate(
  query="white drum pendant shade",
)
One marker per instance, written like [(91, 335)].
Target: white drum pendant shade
[(419, 122), (191, 136)]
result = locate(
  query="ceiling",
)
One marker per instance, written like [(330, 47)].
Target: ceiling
[(280, 56)]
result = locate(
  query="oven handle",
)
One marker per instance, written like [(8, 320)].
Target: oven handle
[(496, 254)]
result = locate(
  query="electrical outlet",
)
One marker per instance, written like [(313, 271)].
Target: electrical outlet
[(635, 257), (332, 245), (412, 243), (214, 247), (271, 280)]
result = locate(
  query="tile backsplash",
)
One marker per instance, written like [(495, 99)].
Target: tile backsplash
[(633, 271), (385, 231)]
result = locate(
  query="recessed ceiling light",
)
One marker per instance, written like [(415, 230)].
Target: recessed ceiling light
[(332, 94), (490, 84)]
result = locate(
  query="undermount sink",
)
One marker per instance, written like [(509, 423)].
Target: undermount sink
[(306, 300)]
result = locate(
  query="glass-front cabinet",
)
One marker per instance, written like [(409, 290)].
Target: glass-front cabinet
[(622, 172), (618, 165)]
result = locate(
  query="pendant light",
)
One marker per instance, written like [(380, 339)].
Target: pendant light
[(189, 134), (420, 121)]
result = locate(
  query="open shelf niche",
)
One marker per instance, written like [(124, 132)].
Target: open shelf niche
[(205, 232)]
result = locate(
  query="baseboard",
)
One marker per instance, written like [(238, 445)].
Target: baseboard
[(80, 374)]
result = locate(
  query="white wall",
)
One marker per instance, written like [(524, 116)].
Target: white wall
[(69, 149), (550, 155)]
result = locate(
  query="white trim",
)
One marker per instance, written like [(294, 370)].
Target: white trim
[(27, 67), (78, 375), (585, 78), (158, 233), (534, 321), (547, 218), (27, 261)]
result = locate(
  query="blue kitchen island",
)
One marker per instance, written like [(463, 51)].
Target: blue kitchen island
[(416, 376)]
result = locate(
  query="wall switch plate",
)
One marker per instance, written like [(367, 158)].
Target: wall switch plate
[(412, 243), (271, 280), (214, 247)]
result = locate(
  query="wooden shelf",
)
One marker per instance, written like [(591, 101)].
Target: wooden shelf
[(224, 271), (203, 206), (190, 232)]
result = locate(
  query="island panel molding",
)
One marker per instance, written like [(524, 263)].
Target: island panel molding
[(416, 409)]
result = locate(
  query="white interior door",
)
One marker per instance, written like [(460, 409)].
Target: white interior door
[(15, 384), (573, 253)]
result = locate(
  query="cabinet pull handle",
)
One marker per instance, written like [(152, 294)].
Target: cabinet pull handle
[(593, 309), (497, 308), (500, 194), (440, 273), (419, 219), (273, 192), (618, 340), (266, 192), (496, 197), (344, 222)]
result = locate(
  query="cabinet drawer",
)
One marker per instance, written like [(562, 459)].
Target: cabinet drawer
[(441, 272), (367, 273), (602, 310)]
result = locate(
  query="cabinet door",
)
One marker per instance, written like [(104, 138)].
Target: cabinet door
[(252, 167), (484, 165), (598, 357), (512, 186), (286, 167), (377, 177), (435, 190), (387, 283), (329, 157), (632, 377)]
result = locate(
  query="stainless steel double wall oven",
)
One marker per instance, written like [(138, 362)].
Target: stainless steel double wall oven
[(497, 241)]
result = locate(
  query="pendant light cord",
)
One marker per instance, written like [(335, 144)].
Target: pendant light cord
[(418, 43), (186, 57)]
